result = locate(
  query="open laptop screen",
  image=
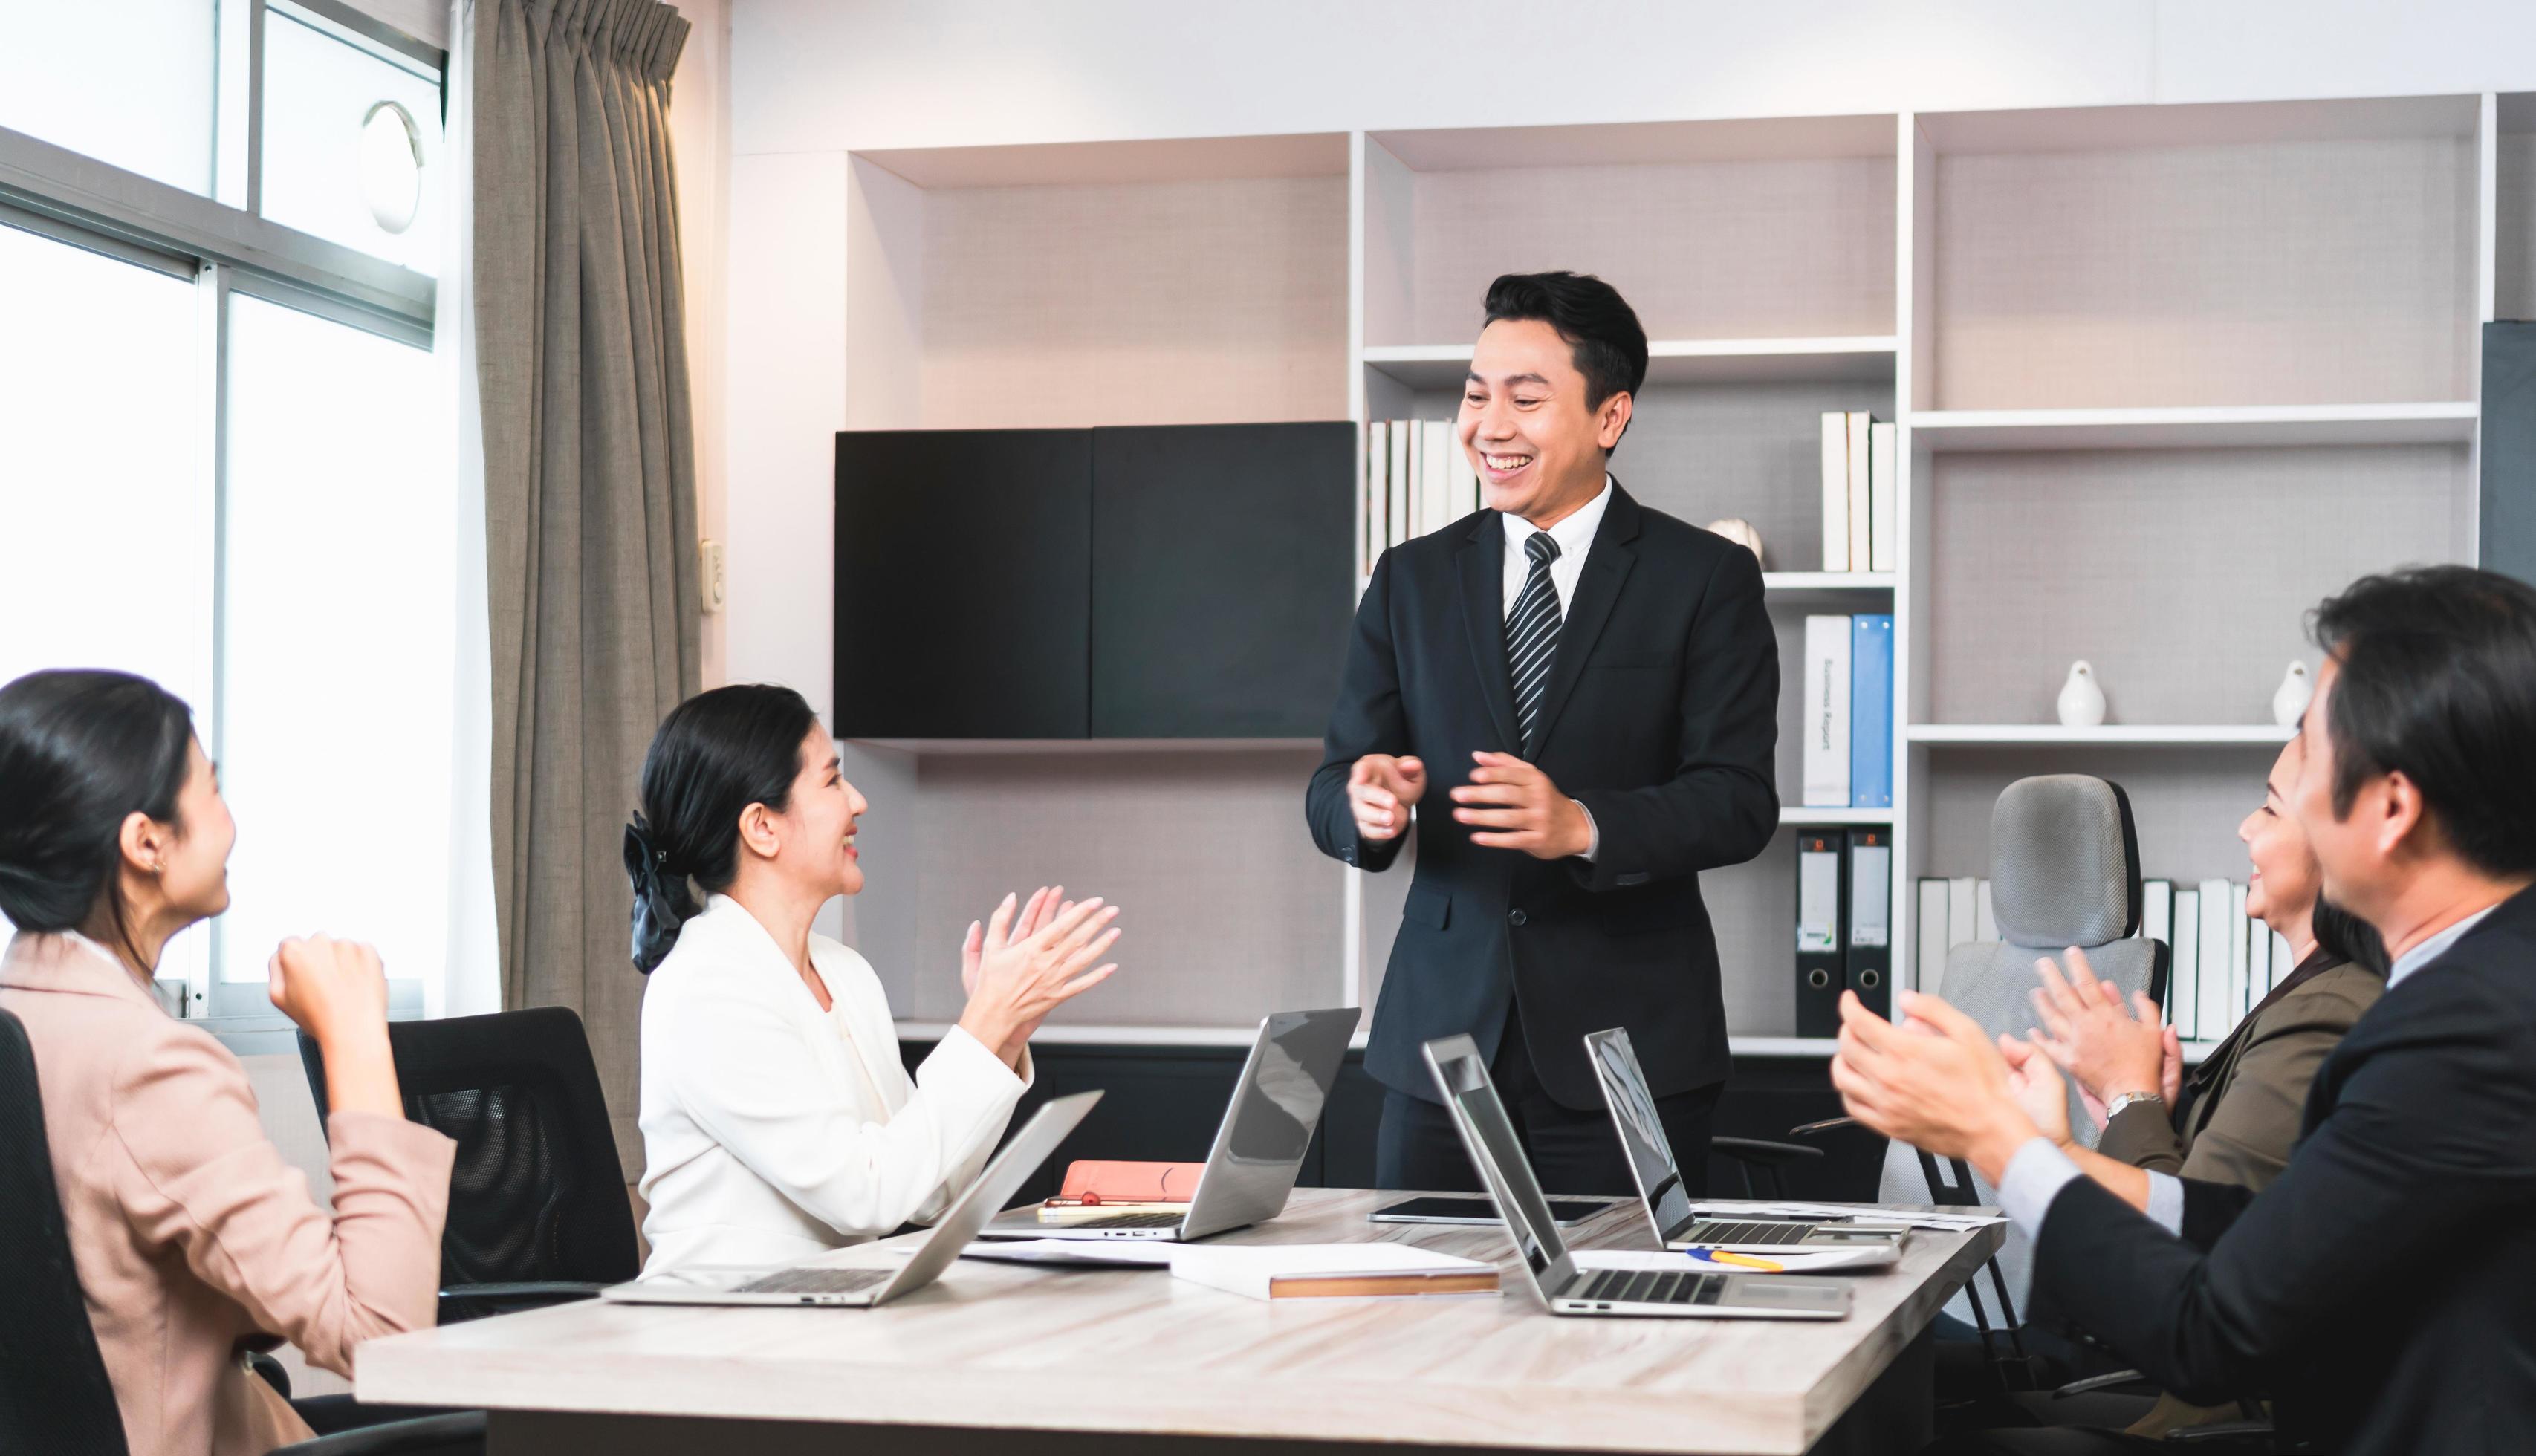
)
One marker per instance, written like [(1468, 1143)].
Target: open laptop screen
[(1490, 1137), (1642, 1135)]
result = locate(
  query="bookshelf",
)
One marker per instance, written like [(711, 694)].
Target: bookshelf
[(2148, 414)]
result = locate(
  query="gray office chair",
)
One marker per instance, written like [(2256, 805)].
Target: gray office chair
[(2063, 872)]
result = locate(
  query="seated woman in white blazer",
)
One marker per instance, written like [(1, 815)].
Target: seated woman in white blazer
[(778, 1120)]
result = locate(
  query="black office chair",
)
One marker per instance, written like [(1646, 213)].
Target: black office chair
[(537, 1213), (54, 1396)]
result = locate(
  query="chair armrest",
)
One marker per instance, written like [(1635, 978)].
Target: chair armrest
[(1817, 1129), (1763, 1150), (459, 1430), (2221, 1431), (2101, 1382)]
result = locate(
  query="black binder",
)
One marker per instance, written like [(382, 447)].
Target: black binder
[(1868, 923), (1822, 904)]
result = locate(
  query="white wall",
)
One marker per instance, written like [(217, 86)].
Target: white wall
[(811, 80)]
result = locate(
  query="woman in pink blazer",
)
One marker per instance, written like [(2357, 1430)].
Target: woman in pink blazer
[(194, 1241)]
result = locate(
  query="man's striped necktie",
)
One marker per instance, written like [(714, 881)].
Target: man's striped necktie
[(1531, 635)]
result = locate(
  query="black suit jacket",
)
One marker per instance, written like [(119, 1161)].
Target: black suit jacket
[(1660, 716), (2383, 1291)]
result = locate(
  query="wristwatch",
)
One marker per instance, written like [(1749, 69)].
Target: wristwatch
[(2114, 1108)]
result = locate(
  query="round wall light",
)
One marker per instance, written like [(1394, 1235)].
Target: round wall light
[(391, 165)]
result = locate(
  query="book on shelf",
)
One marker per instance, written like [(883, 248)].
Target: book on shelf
[(1930, 957), (1835, 492), (2157, 922), (1883, 508), (2183, 974), (2238, 962), (1827, 696), (1985, 921), (1861, 511), (1963, 909), (2218, 963), (1416, 480), (2258, 956), (1871, 711)]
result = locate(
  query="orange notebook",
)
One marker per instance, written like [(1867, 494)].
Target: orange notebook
[(1095, 1184)]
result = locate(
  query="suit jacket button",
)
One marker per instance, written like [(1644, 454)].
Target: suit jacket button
[(1516, 917)]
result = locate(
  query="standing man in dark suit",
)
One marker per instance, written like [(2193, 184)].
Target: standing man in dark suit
[(1582, 693), (2378, 1292)]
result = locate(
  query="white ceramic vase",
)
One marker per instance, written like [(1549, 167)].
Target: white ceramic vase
[(1740, 530), (2082, 699), (2290, 699)]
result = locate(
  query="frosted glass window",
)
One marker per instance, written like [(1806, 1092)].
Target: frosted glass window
[(106, 495), (340, 636), (127, 82), (320, 91)]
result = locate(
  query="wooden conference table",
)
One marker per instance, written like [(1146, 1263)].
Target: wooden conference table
[(1010, 1358)]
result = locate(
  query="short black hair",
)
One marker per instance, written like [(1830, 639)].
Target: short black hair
[(2437, 680), (1602, 331)]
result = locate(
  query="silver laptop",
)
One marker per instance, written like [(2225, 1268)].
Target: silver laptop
[(805, 1284), (1258, 1147), (1659, 1177), (1462, 1076)]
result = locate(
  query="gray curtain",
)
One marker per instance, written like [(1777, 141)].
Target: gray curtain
[(590, 500)]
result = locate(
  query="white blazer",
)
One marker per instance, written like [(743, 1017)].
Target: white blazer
[(772, 1130)]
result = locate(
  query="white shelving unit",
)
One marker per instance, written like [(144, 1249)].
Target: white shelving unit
[(2148, 413)]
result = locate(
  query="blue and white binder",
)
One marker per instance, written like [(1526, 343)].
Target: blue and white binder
[(1871, 709)]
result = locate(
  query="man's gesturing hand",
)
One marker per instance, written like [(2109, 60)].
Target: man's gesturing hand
[(1380, 790), (1514, 807)]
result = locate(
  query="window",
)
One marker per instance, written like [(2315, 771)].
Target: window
[(128, 82), (339, 649), (241, 480), (333, 109)]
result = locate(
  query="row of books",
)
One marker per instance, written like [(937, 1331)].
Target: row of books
[(1847, 720), (2222, 961), (1416, 479), (1862, 527)]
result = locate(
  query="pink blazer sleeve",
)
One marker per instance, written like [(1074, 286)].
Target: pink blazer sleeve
[(198, 1173)]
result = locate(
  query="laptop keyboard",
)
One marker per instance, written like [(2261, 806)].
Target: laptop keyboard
[(1767, 1233), (1647, 1286), (814, 1281), (1130, 1221)]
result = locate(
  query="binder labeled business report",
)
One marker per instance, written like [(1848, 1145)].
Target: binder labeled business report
[(1826, 711), (1821, 962), (1871, 711), (1870, 962)]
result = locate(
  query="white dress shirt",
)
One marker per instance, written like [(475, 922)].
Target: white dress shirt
[(1575, 537), (2038, 1170), (774, 1131)]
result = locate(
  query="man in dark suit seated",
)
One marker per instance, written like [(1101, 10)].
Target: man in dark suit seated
[(2383, 1292), (1582, 693)]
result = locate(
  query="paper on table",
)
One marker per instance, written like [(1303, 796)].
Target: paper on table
[(1255, 1269), (1861, 1213), (1790, 1261), (1145, 1253)]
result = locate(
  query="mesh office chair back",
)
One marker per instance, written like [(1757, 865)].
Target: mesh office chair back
[(538, 1195), (2064, 870), (54, 1396)]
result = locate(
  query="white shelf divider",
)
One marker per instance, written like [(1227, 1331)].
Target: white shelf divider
[(1824, 583), (2442, 422), (1677, 360), (1792, 816), (2111, 734)]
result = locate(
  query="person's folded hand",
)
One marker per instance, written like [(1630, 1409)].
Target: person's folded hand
[(2105, 1048)]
